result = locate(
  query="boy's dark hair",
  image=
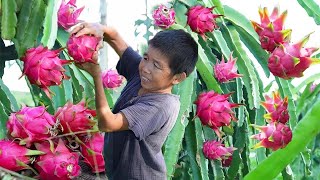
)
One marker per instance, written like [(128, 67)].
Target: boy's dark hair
[(179, 47)]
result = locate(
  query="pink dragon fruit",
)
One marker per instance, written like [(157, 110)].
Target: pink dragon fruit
[(32, 124), (214, 110), (82, 48), (216, 150), (111, 79), (225, 71), (68, 14), (74, 118), (58, 162), (44, 68), (291, 60), (226, 162), (91, 149), (163, 17), (201, 19), (15, 157), (277, 108), (271, 30), (273, 136)]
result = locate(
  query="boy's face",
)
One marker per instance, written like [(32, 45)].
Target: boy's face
[(155, 72)]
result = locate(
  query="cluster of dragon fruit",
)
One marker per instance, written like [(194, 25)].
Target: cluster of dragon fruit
[(287, 60), (48, 146)]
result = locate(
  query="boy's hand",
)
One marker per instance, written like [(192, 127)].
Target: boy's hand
[(95, 29)]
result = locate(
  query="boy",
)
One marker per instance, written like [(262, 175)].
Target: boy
[(146, 110)]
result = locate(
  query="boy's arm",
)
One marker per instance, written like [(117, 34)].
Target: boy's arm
[(108, 34)]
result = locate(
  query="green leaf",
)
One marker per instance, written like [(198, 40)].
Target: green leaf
[(50, 24), (305, 82), (3, 122), (30, 22), (240, 20), (312, 8), (8, 19), (14, 105), (201, 160), (305, 131), (173, 143), (180, 10), (245, 66)]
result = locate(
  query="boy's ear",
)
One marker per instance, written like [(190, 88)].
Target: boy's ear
[(179, 77)]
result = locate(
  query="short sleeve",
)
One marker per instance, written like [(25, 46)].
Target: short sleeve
[(128, 65), (144, 118)]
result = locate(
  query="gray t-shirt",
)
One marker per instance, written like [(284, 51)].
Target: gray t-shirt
[(136, 153)]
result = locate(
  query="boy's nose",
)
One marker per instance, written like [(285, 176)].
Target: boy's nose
[(146, 68)]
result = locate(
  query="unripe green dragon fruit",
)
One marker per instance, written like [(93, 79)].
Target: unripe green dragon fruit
[(44, 68), (273, 136), (201, 19), (277, 108), (271, 30), (214, 110), (291, 60)]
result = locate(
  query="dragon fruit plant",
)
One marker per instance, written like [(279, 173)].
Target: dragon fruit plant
[(14, 156), (32, 124), (111, 79), (201, 19), (291, 60), (226, 71), (75, 117), (44, 68), (214, 110), (68, 14), (271, 30), (163, 17), (82, 48)]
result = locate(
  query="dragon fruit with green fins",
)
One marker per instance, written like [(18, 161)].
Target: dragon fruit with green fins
[(271, 30), (91, 149), (216, 150), (111, 79), (32, 124), (82, 48), (43, 67), (291, 60), (273, 136), (163, 17), (75, 117), (68, 14), (214, 110), (226, 71), (201, 19), (14, 156), (58, 162), (277, 108)]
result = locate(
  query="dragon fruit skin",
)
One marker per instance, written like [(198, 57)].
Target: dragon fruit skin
[(74, 118), (111, 79), (214, 110), (216, 150), (32, 124), (92, 152), (291, 60), (201, 19), (273, 136), (82, 48), (15, 157), (68, 14), (271, 30), (277, 108), (163, 17), (44, 68), (226, 71), (58, 162)]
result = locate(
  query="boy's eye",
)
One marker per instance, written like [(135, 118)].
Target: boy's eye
[(157, 65), (145, 58)]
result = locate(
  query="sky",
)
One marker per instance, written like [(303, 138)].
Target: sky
[(122, 14)]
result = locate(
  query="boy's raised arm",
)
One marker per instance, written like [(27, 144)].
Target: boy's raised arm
[(108, 34)]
